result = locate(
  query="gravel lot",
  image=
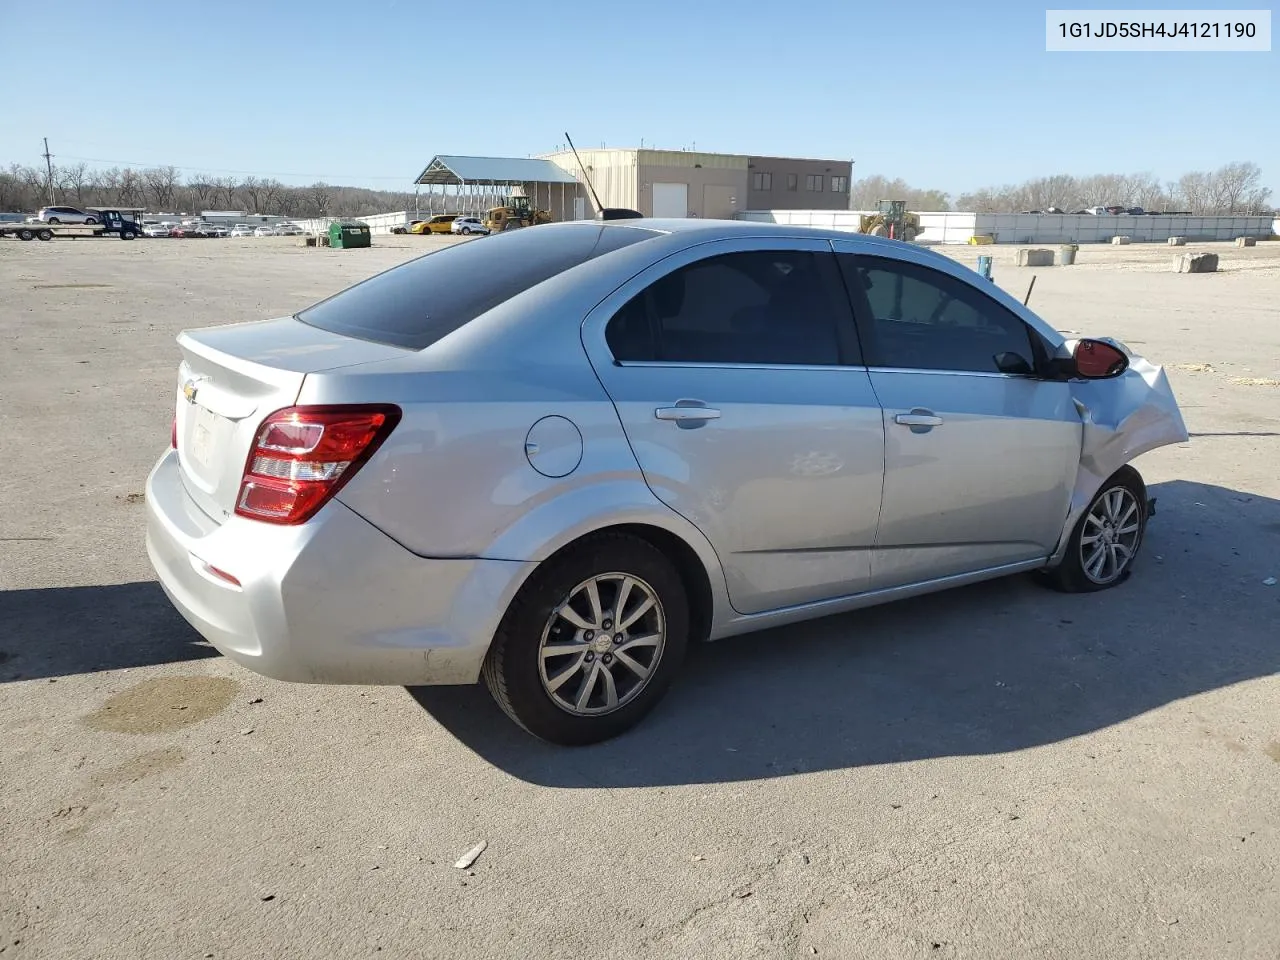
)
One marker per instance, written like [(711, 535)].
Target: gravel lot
[(995, 772)]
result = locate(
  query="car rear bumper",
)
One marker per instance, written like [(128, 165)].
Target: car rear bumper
[(331, 601)]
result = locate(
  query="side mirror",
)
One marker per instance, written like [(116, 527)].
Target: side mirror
[(1097, 360)]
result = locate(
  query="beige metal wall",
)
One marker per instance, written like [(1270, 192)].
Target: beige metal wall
[(612, 172), (780, 198), (717, 181)]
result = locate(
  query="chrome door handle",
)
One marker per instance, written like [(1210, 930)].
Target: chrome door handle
[(687, 414), (914, 419)]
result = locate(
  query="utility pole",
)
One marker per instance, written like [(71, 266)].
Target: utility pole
[(48, 163)]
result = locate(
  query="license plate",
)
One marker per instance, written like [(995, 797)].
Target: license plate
[(201, 438)]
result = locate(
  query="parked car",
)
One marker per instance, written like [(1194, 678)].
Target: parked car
[(263, 231), (289, 230), (431, 476), (242, 230), (68, 215), (155, 230), (439, 223), (468, 225), (407, 228), (216, 230)]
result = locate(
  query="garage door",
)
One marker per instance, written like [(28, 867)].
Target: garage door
[(670, 199)]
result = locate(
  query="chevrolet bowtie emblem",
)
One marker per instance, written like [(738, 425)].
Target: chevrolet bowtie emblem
[(189, 390)]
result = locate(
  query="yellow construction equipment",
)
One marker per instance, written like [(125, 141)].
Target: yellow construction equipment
[(516, 211), (891, 221)]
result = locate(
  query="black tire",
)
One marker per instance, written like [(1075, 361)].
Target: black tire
[(512, 668), (466, 231), (53, 220), (87, 220), (44, 234), (127, 235), (1070, 576), (26, 234)]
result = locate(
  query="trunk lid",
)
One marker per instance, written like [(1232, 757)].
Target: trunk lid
[(230, 379)]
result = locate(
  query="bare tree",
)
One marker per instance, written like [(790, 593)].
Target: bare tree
[(105, 186), (225, 192), (252, 188), (76, 178), (1195, 190), (867, 191), (13, 191), (320, 194), (163, 184), (201, 189), (271, 190), (132, 188), (1233, 182)]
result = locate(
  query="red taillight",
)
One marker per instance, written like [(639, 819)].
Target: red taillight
[(173, 435), (303, 455)]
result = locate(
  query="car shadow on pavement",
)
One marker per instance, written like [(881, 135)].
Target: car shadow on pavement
[(67, 630), (996, 667)]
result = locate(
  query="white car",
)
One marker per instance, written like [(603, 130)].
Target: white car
[(468, 225), (242, 230), (289, 230), (155, 230), (264, 231), (214, 230)]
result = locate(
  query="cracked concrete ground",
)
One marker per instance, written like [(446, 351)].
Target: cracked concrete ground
[(995, 772)]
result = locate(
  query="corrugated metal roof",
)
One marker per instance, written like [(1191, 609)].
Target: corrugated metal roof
[(508, 170)]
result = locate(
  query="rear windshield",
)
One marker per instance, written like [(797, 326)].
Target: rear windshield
[(419, 302)]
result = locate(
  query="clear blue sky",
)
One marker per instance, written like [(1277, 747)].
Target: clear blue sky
[(951, 95)]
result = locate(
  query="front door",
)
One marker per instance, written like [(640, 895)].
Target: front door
[(980, 457), (736, 374)]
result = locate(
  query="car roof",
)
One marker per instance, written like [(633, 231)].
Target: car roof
[(697, 230)]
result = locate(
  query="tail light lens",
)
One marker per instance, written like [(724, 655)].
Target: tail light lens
[(173, 435), (302, 456)]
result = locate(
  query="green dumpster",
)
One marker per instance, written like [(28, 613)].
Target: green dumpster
[(347, 234)]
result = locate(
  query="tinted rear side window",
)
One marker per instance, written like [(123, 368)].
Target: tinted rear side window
[(419, 302)]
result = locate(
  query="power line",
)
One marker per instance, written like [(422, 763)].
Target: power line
[(247, 173)]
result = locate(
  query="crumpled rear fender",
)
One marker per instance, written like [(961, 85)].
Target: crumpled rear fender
[(1123, 418)]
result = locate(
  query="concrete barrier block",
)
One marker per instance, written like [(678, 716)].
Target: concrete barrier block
[(1246, 242), (1035, 258), (1195, 263), (1119, 241), (1177, 241)]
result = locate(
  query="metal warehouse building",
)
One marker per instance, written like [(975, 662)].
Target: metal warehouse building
[(681, 183), (659, 183)]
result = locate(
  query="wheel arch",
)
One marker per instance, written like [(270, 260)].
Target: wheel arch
[(700, 574), (1087, 486)]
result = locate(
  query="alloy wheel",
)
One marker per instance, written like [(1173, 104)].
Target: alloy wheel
[(1110, 536), (601, 646)]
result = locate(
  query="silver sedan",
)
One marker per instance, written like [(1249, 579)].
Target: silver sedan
[(555, 458)]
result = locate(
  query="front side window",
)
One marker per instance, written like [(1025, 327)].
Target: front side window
[(757, 307), (914, 317)]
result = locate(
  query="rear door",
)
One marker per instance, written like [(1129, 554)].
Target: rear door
[(980, 459), (735, 370)]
